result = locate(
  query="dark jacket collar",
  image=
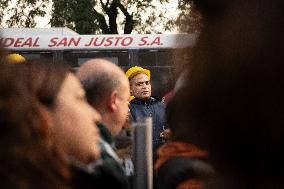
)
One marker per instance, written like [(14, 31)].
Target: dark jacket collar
[(105, 134), (151, 100)]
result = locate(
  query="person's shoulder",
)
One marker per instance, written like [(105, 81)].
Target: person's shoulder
[(157, 102), (154, 100), (136, 102)]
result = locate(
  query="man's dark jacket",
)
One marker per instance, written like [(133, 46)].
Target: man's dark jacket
[(153, 108)]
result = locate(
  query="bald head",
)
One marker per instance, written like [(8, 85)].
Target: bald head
[(100, 78), (107, 90)]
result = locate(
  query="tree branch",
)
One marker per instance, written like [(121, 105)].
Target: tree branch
[(102, 22), (129, 22), (112, 13), (104, 6)]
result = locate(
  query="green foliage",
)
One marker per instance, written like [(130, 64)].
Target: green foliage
[(101, 16), (3, 6), (23, 13)]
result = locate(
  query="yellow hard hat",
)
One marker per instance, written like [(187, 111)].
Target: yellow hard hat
[(131, 72), (14, 58)]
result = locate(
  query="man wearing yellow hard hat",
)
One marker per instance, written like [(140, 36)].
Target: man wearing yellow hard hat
[(144, 105)]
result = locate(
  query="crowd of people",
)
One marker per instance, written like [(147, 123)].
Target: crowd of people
[(221, 128)]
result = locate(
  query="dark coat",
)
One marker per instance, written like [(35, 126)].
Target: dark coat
[(153, 108)]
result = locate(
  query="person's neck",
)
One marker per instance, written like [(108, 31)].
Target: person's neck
[(107, 121), (106, 118)]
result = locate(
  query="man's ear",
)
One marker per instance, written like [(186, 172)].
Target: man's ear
[(113, 100)]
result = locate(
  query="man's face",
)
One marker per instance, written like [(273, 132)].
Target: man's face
[(140, 86), (76, 131)]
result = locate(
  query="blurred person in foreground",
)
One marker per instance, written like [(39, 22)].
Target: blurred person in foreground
[(41, 107), (232, 106), (107, 90)]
